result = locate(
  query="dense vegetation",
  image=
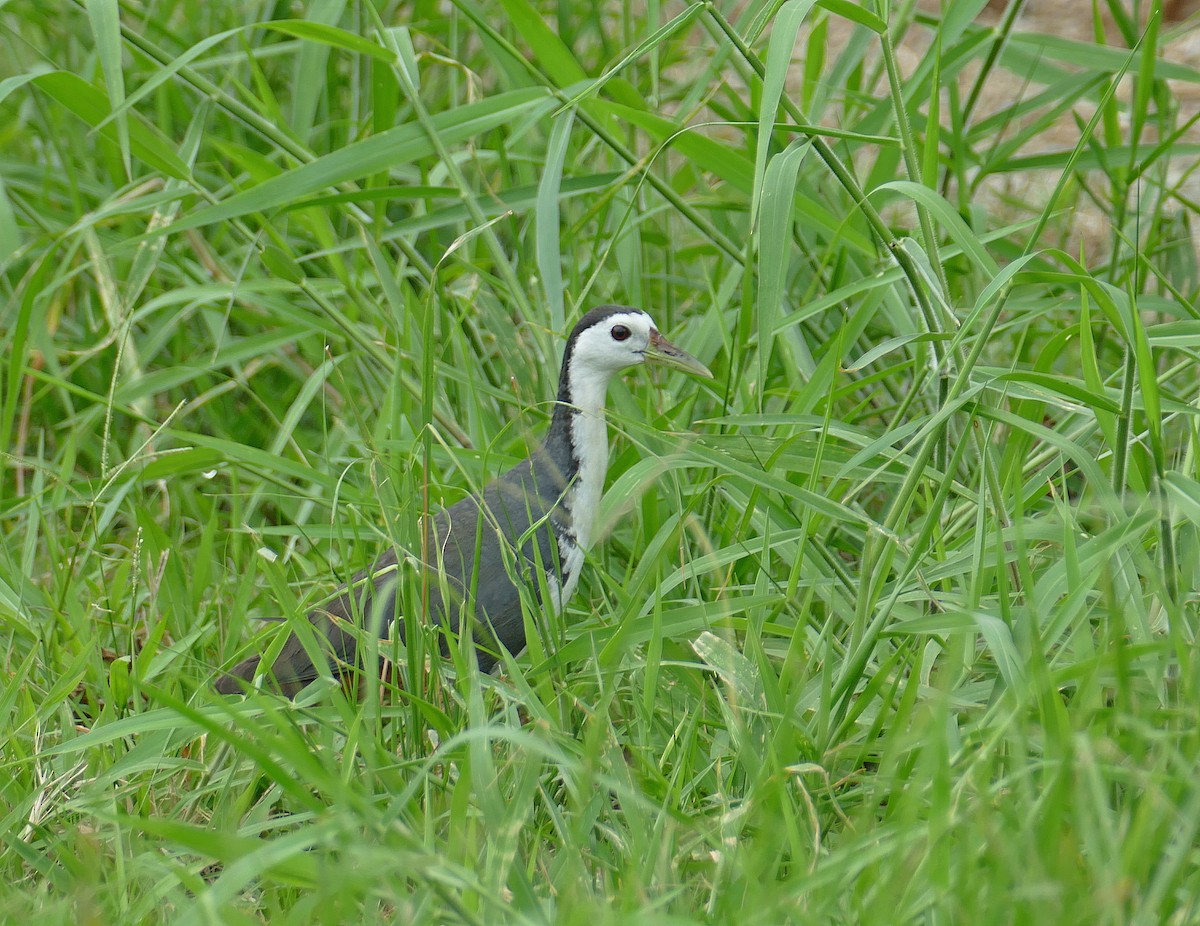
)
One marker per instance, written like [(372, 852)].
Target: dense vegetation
[(895, 621)]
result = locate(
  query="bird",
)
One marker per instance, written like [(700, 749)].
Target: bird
[(539, 515)]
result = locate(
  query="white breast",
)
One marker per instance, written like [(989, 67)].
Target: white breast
[(570, 561), (590, 436)]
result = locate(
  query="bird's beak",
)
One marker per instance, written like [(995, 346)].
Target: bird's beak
[(660, 350)]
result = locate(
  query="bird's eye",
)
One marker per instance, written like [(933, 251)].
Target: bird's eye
[(620, 333)]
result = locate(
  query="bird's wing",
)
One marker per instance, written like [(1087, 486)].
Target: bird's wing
[(480, 549)]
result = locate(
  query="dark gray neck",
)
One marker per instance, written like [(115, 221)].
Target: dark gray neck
[(558, 447), (574, 453)]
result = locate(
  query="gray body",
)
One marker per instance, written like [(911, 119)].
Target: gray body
[(526, 495)]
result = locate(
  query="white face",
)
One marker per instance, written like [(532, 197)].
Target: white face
[(618, 342)]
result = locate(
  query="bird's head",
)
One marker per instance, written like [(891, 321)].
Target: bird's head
[(612, 338)]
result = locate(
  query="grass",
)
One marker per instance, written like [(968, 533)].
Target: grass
[(894, 621)]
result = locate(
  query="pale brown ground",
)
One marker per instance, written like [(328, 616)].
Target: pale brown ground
[(1011, 197)]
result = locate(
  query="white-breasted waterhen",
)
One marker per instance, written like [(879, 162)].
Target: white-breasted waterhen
[(538, 515)]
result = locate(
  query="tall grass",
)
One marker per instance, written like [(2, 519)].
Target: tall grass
[(893, 622)]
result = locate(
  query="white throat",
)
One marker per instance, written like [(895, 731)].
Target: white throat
[(589, 437)]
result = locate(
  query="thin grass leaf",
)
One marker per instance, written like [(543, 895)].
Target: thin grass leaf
[(380, 152), (855, 13), (104, 16), (949, 219), (549, 246), (784, 31), (650, 43), (777, 201), (553, 54), (326, 33), (92, 106)]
